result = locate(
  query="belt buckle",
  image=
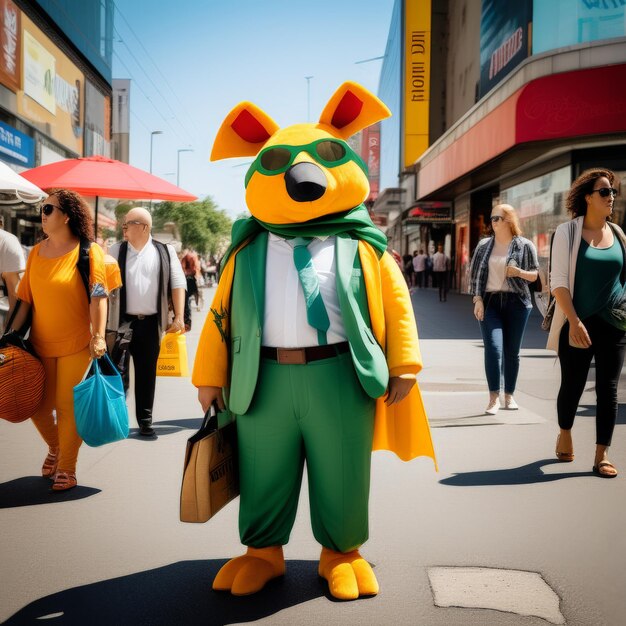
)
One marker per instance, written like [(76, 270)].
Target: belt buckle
[(291, 356), (141, 316)]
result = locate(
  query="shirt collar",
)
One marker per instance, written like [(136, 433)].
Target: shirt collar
[(139, 252)]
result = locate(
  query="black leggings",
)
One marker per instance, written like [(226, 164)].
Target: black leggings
[(607, 346)]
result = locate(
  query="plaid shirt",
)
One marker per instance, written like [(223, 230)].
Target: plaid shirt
[(521, 250)]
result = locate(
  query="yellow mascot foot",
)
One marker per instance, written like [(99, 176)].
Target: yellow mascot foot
[(250, 572), (348, 574)]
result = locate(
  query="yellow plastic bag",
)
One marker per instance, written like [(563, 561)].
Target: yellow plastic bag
[(173, 356)]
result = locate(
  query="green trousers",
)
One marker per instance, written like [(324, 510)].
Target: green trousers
[(319, 413)]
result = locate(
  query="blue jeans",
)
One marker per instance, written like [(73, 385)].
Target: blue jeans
[(503, 330)]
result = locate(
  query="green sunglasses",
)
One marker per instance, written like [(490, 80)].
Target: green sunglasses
[(328, 152)]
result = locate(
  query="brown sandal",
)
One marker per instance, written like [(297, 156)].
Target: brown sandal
[(49, 467), (64, 481), (564, 457), (597, 469)]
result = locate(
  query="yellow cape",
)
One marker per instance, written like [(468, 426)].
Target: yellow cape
[(401, 428)]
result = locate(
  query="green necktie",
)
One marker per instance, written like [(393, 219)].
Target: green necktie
[(315, 310)]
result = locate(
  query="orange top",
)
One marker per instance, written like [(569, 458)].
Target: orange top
[(61, 323), (113, 274)]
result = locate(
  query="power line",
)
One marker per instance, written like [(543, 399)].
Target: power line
[(164, 78)]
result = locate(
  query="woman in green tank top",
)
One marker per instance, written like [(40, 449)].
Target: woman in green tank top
[(595, 307)]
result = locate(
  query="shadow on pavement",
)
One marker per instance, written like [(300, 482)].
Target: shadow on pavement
[(167, 428), (589, 410), (32, 490), (179, 593), (191, 423), (523, 475)]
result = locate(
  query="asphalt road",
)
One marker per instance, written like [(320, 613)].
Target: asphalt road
[(112, 551)]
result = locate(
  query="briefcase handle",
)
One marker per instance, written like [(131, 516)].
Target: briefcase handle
[(209, 423)]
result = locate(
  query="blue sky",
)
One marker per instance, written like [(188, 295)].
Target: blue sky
[(191, 61)]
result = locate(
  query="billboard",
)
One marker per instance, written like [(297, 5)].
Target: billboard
[(10, 34), (52, 93), (504, 39), (417, 28)]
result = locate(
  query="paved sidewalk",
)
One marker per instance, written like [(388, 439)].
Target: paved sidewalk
[(112, 551)]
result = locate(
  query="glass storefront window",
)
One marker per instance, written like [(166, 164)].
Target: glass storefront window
[(560, 23), (540, 204)]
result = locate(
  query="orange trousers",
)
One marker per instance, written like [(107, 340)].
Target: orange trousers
[(63, 373)]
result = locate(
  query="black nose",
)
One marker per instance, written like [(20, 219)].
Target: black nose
[(305, 182)]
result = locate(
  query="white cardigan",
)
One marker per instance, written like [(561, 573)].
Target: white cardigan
[(563, 268)]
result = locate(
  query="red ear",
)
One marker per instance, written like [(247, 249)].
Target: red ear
[(347, 110), (352, 108), (243, 133), (249, 128)]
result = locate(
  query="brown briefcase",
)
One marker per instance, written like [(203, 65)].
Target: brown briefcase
[(211, 471)]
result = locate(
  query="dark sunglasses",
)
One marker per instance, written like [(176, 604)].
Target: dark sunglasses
[(497, 218), (605, 192), (47, 209), (125, 225), (329, 152)]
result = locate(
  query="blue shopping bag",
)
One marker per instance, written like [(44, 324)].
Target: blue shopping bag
[(100, 404)]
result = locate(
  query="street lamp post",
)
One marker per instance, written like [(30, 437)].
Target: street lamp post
[(152, 134), (308, 97), (178, 163)]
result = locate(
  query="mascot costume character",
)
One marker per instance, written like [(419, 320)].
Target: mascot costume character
[(310, 342)]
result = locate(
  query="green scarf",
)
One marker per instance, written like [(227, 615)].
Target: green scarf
[(355, 222)]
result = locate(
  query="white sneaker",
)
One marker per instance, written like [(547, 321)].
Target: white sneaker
[(510, 404), (493, 407)]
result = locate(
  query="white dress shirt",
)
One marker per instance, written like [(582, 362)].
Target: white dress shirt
[(142, 277), (285, 322)]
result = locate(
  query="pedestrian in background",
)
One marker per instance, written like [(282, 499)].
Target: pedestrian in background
[(587, 278), (441, 266), (12, 262), (419, 267), (67, 324), (407, 268), (191, 267), (152, 279), (501, 269)]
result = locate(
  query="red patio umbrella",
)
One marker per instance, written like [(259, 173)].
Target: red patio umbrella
[(101, 176)]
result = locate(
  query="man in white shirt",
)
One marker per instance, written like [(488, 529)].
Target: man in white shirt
[(441, 264), (419, 265), (11, 264), (152, 276)]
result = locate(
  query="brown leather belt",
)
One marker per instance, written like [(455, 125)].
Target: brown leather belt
[(301, 356)]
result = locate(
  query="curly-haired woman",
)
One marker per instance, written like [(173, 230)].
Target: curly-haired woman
[(68, 324), (587, 279)]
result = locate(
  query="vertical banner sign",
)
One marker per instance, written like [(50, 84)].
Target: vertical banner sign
[(417, 18), (39, 73), (10, 31)]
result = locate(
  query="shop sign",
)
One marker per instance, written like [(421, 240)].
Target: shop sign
[(53, 91), (9, 45), (429, 212), (504, 39), (39, 73), (16, 146)]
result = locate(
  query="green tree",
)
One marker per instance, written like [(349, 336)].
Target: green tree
[(202, 225)]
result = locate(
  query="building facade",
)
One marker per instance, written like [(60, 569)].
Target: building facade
[(55, 87), (534, 93)]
